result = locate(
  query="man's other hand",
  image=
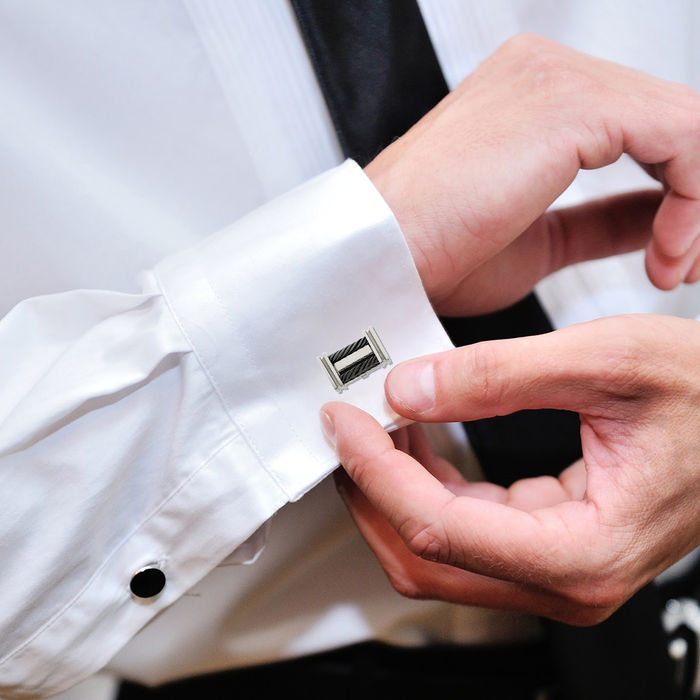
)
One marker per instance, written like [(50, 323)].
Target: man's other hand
[(469, 182)]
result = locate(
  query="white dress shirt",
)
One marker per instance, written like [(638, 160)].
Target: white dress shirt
[(181, 241)]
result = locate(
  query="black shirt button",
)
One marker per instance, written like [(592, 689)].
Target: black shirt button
[(147, 582)]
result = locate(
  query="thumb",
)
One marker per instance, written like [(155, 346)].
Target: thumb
[(578, 368)]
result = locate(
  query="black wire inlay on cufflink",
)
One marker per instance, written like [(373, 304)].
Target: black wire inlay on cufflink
[(356, 360)]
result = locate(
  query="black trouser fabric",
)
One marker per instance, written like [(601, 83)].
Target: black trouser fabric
[(375, 671)]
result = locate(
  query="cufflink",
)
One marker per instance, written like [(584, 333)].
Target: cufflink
[(147, 582), (355, 361)]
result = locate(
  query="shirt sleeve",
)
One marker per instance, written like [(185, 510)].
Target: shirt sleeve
[(163, 429)]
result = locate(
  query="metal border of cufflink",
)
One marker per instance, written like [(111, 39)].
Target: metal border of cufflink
[(355, 361)]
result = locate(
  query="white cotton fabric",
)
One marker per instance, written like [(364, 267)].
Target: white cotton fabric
[(164, 428), (159, 381)]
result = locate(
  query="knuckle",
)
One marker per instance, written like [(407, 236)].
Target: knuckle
[(356, 465), (551, 68), (362, 467), (595, 601), (600, 139), (482, 366), (405, 585), (526, 43), (682, 105), (688, 96), (627, 368), (687, 118), (428, 542), (586, 617)]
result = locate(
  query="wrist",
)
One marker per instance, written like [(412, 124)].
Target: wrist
[(393, 186)]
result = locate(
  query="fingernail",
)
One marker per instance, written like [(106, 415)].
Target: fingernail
[(328, 428), (412, 385)]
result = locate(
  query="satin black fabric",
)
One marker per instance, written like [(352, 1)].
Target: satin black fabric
[(391, 80), (374, 671)]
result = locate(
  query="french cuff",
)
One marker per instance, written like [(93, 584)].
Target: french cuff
[(270, 302)]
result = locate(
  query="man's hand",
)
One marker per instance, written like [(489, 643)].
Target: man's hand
[(480, 168), (572, 549)]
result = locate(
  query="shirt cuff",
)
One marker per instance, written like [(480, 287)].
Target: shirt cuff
[(303, 276)]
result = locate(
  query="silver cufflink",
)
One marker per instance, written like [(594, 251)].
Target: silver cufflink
[(355, 361)]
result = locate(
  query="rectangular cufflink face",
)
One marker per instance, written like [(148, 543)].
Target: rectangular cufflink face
[(355, 361)]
